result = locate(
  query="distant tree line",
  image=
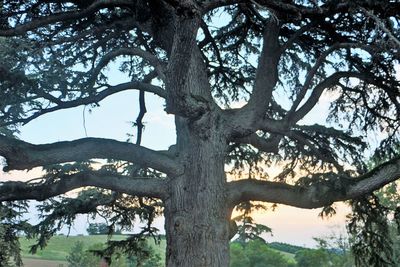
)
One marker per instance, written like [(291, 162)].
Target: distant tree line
[(102, 229), (285, 247)]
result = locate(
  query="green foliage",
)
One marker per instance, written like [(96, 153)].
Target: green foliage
[(247, 229), (312, 258), (82, 256), (11, 226), (238, 257), (79, 257), (368, 226), (150, 259), (396, 244), (374, 220), (256, 253)]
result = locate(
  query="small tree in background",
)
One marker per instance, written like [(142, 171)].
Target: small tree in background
[(77, 257), (11, 227)]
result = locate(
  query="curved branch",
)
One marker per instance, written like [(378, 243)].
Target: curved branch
[(375, 179), (22, 155), (315, 195), (149, 187), (134, 85), (329, 82), (289, 43), (62, 16), (131, 51), (320, 61)]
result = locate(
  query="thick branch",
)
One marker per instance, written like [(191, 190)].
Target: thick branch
[(266, 75), (317, 194), (21, 155), (242, 122), (185, 96), (269, 145), (149, 187)]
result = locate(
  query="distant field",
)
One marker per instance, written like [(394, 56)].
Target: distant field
[(286, 254), (44, 263), (54, 255), (60, 246)]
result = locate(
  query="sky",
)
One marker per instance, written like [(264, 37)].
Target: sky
[(112, 120)]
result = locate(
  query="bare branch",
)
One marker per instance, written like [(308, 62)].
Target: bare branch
[(212, 4), (22, 155), (315, 195), (149, 187), (139, 122), (375, 179)]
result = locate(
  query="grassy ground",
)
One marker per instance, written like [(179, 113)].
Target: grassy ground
[(44, 263), (60, 246), (54, 255)]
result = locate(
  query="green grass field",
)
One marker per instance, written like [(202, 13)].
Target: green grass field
[(60, 246)]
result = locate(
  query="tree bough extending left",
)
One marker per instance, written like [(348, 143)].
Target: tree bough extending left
[(240, 78)]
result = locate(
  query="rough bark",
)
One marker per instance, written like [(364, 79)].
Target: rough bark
[(197, 211)]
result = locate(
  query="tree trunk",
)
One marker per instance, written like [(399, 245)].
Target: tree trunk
[(197, 213)]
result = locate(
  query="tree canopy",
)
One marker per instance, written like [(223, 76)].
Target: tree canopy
[(241, 79)]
